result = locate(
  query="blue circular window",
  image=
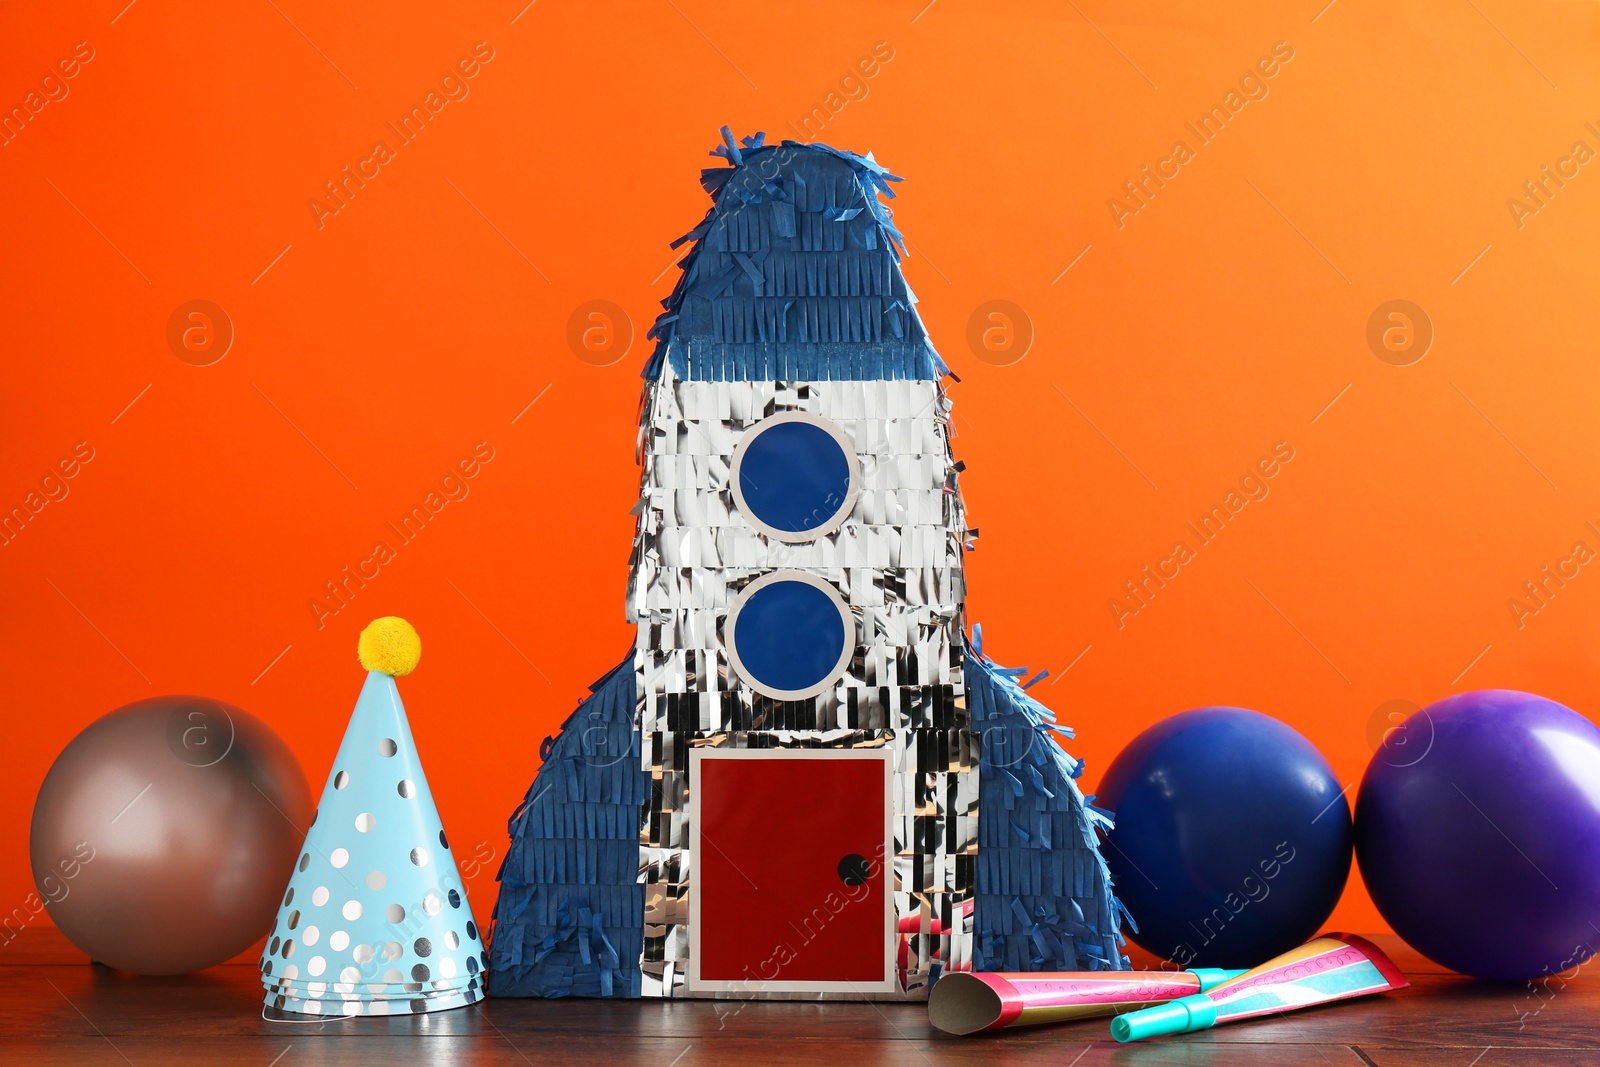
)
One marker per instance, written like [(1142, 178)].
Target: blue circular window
[(789, 635), (795, 476)]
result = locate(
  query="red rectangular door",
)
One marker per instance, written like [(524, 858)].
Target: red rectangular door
[(790, 887)]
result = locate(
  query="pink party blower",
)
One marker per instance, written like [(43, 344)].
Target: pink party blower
[(968, 1003)]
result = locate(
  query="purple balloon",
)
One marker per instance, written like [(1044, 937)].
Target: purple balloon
[(1478, 834)]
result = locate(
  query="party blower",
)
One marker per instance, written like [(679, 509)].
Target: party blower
[(967, 1003), (1332, 967)]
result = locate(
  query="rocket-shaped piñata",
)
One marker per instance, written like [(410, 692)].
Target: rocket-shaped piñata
[(804, 780)]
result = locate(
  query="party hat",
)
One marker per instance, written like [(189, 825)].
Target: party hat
[(375, 920)]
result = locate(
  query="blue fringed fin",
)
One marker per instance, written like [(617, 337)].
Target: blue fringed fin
[(569, 920), (1043, 898)]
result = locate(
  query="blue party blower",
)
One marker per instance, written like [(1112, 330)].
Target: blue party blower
[(1328, 968)]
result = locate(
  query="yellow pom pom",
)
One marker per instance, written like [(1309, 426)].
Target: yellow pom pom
[(390, 645)]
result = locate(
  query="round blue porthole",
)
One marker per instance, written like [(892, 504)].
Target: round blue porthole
[(789, 635), (796, 476)]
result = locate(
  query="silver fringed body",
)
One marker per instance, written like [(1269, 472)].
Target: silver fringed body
[(896, 559)]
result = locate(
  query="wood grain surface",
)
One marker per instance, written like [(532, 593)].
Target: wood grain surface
[(61, 1009)]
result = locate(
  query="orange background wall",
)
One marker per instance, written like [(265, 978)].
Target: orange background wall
[(375, 349)]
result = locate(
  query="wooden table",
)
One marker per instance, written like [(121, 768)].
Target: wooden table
[(59, 1009)]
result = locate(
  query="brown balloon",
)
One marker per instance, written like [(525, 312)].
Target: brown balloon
[(165, 833)]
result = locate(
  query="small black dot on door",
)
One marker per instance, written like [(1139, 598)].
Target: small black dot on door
[(853, 870)]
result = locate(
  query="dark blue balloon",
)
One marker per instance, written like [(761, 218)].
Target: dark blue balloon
[(1478, 834), (1233, 836)]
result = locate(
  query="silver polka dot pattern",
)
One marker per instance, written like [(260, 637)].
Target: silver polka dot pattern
[(396, 930)]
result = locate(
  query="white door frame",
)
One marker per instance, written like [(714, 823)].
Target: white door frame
[(888, 983)]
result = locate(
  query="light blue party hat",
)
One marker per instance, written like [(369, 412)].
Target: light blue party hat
[(375, 920)]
